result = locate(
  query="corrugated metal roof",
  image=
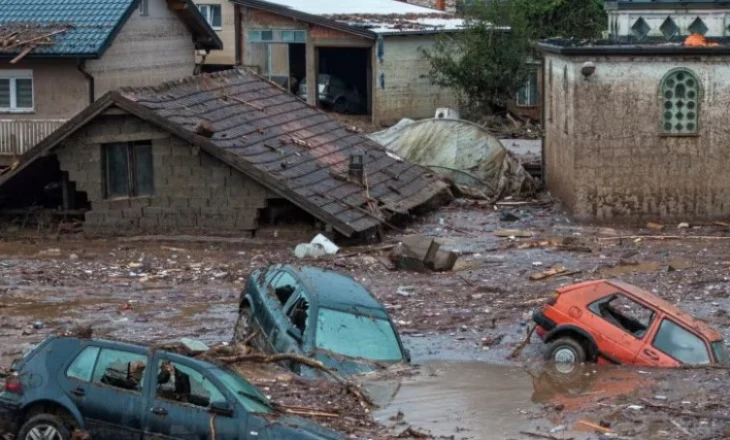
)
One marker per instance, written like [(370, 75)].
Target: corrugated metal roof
[(92, 22), (275, 138)]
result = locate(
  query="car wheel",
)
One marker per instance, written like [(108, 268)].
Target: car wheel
[(44, 426), (566, 351), (340, 106), (242, 329)]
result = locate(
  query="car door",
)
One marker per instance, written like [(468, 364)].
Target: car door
[(674, 344), (181, 403), (285, 287), (107, 385), (620, 326)]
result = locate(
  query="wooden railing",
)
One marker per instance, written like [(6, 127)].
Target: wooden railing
[(19, 135)]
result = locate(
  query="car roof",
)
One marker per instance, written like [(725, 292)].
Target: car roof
[(335, 290), (654, 301), (123, 345)]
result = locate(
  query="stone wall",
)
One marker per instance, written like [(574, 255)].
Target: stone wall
[(402, 88), (606, 156), (193, 190)]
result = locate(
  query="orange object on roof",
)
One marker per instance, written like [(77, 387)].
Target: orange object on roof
[(698, 40)]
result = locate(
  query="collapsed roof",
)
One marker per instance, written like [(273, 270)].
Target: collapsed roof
[(273, 137)]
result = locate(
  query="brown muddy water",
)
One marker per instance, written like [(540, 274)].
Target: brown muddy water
[(478, 400)]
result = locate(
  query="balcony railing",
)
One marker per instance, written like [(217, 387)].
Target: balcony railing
[(19, 135)]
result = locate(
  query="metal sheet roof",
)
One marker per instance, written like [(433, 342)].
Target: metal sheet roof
[(275, 138)]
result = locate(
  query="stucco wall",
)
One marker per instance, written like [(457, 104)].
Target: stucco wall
[(402, 88), (227, 34), (147, 51), (193, 190), (611, 163), (60, 89)]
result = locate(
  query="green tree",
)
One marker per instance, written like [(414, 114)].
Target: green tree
[(486, 63)]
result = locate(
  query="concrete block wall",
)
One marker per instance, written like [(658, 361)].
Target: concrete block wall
[(193, 190), (402, 88), (227, 34), (612, 164)]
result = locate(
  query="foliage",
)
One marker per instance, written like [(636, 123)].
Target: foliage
[(486, 64)]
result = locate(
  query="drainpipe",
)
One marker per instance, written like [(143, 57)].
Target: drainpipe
[(543, 119), (89, 78), (441, 5)]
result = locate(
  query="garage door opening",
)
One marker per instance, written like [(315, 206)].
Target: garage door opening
[(345, 75)]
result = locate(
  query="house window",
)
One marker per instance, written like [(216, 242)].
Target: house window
[(128, 169), (16, 91), (680, 93), (527, 95), (144, 8), (212, 14)]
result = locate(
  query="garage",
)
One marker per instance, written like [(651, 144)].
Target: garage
[(347, 76)]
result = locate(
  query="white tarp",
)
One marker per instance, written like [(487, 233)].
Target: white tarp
[(474, 159)]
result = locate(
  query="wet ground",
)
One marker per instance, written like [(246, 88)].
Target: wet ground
[(460, 326)]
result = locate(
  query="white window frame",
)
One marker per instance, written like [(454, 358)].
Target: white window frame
[(207, 10), (527, 87), (14, 75)]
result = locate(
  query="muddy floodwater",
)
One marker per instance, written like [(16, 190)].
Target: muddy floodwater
[(460, 326)]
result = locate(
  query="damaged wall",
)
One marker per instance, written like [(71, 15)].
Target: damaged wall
[(192, 190), (402, 88), (148, 50), (606, 156), (227, 34)]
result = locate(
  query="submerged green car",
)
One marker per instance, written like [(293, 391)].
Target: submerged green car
[(320, 314)]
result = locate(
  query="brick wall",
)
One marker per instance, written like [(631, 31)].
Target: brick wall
[(193, 190), (606, 156), (402, 89)]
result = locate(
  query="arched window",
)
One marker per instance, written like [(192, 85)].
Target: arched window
[(680, 98)]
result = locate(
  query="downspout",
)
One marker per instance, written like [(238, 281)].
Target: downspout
[(89, 79), (543, 120)]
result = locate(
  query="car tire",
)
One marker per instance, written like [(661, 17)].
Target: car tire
[(45, 426), (566, 351), (340, 106), (242, 328)]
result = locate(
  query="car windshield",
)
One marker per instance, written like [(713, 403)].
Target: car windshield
[(357, 336), (718, 347), (250, 397)]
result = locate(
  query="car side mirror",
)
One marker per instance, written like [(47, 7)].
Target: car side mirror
[(295, 334), (221, 409)]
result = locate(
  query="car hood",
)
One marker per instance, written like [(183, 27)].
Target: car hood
[(298, 428)]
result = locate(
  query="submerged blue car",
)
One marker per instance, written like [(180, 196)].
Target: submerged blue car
[(320, 314), (119, 391)]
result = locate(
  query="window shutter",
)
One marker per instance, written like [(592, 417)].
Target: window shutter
[(23, 93), (4, 93)]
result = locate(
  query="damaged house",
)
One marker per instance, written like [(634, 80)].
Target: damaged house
[(635, 124), (223, 153), (57, 56), (371, 52)]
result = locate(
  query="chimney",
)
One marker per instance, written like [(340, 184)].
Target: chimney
[(441, 5), (356, 171)]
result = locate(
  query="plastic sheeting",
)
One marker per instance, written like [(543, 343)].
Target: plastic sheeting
[(476, 162)]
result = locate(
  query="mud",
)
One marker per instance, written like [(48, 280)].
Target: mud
[(153, 291)]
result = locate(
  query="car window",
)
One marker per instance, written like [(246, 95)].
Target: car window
[(83, 366), (182, 384), (284, 286), (120, 369), (357, 336), (624, 313), (675, 341), (248, 395), (298, 314), (718, 347)]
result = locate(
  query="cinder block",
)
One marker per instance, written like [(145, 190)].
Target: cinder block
[(198, 202), (178, 202), (149, 223), (132, 213), (118, 204), (140, 202)]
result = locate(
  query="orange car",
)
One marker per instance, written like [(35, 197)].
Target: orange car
[(608, 321)]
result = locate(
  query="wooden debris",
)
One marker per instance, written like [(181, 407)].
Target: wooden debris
[(516, 352), (722, 224), (250, 104), (558, 269), (666, 237), (544, 436), (517, 233), (655, 226), (24, 38), (594, 427)]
